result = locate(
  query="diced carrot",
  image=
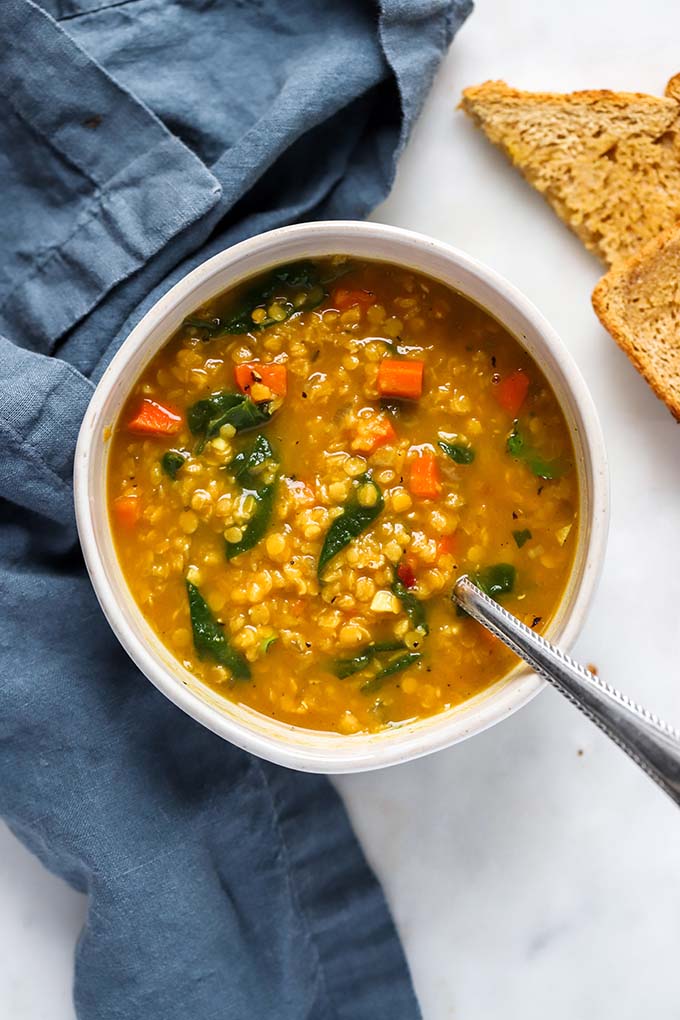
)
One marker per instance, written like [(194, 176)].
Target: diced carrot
[(127, 510), (400, 377), (447, 545), (406, 575), (154, 419), (273, 376), (511, 392), (372, 432), (342, 299), (425, 480)]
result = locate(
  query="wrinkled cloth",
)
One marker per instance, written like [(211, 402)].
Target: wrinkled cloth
[(137, 138)]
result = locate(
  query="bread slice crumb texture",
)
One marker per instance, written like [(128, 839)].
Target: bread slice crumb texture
[(608, 162), (639, 304)]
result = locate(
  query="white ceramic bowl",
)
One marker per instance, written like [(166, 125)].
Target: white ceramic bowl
[(293, 746)]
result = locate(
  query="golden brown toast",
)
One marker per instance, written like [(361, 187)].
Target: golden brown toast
[(638, 302), (608, 162)]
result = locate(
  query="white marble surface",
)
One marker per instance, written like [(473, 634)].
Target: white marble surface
[(528, 879)]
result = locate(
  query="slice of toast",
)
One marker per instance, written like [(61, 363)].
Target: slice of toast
[(639, 304), (608, 162)]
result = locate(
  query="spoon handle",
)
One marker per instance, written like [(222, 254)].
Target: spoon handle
[(652, 744)]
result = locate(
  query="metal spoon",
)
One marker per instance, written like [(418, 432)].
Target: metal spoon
[(652, 744)]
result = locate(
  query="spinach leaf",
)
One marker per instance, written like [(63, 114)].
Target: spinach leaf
[(413, 607), (206, 417), (521, 537), (209, 636), (257, 525), (457, 452), (245, 467), (295, 287), (354, 519), (518, 448), (279, 288), (397, 665), (172, 461), (342, 668), (293, 274), (496, 580), (247, 462)]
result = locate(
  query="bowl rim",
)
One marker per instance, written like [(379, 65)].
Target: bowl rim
[(333, 753)]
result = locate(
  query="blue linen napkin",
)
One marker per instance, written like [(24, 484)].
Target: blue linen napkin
[(137, 138)]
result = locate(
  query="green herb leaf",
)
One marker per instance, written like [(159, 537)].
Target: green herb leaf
[(496, 580), (247, 463), (281, 287), (206, 417), (172, 461), (245, 468), (349, 525), (515, 442), (258, 524), (209, 636), (266, 643), (397, 665), (342, 668), (413, 607), (521, 537), (518, 448), (457, 452)]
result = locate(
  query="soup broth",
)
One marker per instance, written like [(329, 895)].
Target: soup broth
[(303, 471)]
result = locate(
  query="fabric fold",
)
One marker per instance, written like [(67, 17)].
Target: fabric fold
[(132, 186)]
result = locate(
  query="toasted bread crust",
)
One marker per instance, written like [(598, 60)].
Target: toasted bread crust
[(608, 162), (502, 90), (638, 305), (672, 90)]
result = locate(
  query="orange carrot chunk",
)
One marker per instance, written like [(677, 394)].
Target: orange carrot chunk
[(425, 481), (399, 377), (342, 299), (446, 545), (511, 392), (372, 433), (127, 510), (153, 419), (255, 374)]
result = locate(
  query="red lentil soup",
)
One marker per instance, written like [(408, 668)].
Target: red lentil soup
[(305, 468)]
